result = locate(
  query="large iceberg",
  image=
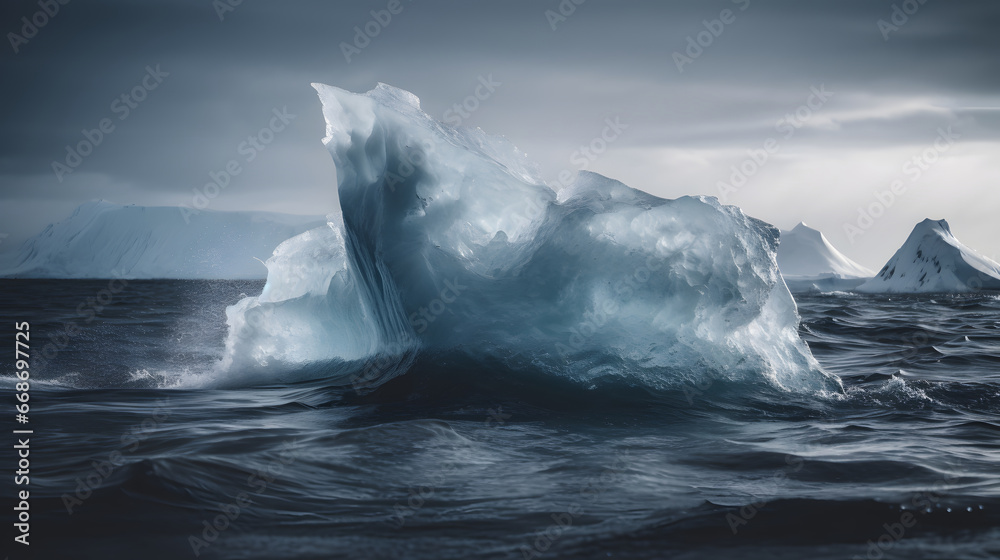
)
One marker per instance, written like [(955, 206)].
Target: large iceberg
[(933, 260), (105, 240), (451, 244)]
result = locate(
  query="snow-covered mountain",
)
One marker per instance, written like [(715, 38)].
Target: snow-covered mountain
[(932, 260), (805, 253), (105, 240)]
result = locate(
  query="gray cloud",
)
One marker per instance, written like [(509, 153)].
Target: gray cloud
[(606, 59)]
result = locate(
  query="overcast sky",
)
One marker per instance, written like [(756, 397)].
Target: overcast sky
[(923, 85)]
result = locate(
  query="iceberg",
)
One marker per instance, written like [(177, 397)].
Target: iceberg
[(105, 240), (806, 253), (933, 260), (809, 262), (450, 243)]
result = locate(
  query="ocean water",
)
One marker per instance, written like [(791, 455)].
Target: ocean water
[(132, 458)]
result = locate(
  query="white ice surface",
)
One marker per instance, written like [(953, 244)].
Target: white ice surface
[(933, 260), (450, 242), (105, 240), (806, 254)]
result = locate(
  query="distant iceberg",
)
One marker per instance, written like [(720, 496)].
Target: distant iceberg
[(932, 260), (809, 262), (105, 240), (806, 253), (451, 244)]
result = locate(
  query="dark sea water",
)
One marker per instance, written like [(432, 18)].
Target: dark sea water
[(459, 460)]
